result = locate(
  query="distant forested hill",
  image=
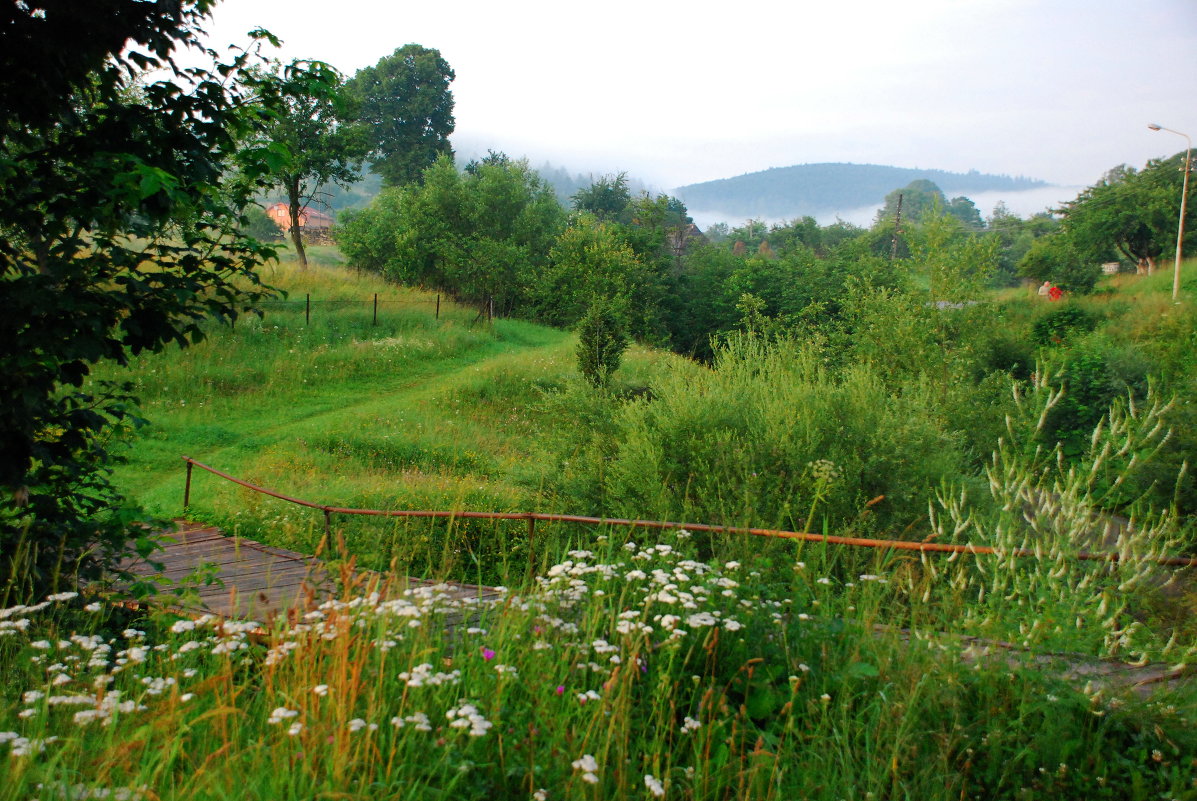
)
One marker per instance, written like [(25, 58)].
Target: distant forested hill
[(815, 188)]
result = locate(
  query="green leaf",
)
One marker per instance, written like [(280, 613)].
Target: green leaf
[(863, 670)]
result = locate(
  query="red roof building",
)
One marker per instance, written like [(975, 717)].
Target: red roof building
[(309, 219)]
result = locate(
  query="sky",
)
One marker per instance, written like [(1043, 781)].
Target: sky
[(676, 93)]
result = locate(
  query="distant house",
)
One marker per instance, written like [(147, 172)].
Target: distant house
[(309, 219), (679, 239)]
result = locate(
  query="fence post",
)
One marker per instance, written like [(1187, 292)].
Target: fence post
[(187, 489), (327, 523), (438, 306), (375, 308), (490, 310), (307, 308), (531, 540)]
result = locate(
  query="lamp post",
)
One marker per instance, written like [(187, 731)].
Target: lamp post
[(1184, 196)]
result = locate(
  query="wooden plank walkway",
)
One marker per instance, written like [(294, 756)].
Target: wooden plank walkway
[(256, 581)]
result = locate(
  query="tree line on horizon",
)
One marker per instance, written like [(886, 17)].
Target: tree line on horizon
[(812, 188), (491, 232)]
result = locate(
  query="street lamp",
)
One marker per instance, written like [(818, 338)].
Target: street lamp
[(1184, 196)]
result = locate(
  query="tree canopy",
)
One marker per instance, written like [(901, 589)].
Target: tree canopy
[(1131, 213), (407, 108), (122, 177), (477, 235), (322, 141)]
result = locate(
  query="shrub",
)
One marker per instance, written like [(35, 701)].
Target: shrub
[(1061, 324), (602, 340), (769, 437)]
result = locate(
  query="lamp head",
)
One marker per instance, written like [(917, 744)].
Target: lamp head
[(1154, 126)]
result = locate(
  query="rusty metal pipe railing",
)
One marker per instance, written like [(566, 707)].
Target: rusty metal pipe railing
[(533, 517)]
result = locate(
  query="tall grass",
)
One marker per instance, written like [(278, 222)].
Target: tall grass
[(630, 669)]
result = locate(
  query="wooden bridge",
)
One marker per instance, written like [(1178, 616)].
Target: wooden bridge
[(255, 581)]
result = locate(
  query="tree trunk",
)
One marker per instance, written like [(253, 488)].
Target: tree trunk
[(296, 234)]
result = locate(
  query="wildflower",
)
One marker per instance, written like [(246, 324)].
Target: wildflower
[(732, 625), (825, 698), (654, 786), (280, 714), (320, 690), (62, 596), (588, 766), (690, 724), (540, 795), (94, 606), (731, 565), (468, 716), (560, 689), (295, 729), (488, 654)]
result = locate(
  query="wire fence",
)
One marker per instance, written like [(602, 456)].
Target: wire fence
[(533, 517), (373, 304)]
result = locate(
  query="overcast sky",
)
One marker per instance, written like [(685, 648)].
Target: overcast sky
[(679, 92)]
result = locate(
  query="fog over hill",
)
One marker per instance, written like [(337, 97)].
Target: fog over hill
[(823, 189)]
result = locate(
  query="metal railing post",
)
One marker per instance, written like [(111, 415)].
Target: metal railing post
[(307, 309), (187, 488), (375, 308)]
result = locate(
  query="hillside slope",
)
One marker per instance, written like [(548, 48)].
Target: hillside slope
[(412, 412), (813, 188)]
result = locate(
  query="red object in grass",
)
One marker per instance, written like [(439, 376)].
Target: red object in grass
[(1055, 293)]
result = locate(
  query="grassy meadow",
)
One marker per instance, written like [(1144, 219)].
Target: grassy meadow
[(637, 663)]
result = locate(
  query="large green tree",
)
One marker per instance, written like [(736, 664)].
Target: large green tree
[(479, 235), (1129, 213), (405, 103), (321, 141), (120, 232)]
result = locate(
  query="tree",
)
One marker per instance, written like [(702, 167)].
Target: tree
[(959, 265), (120, 233), (591, 259), (966, 211), (479, 235), (918, 198), (322, 143), (607, 198), (1054, 258), (1129, 212), (601, 341), (405, 103)]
